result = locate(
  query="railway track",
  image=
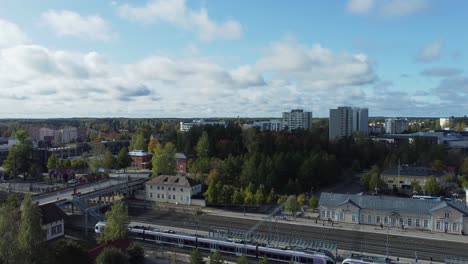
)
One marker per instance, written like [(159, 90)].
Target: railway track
[(382, 244)]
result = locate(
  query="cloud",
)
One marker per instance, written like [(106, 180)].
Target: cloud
[(453, 90), (177, 13), (11, 34), (69, 23), (360, 6), (398, 8), (441, 72), (316, 66), (430, 53)]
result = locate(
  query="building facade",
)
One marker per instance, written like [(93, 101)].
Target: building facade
[(396, 125), (181, 162), (172, 189), (297, 119), (402, 178), (344, 121), (52, 221), (275, 125), (140, 159), (69, 134), (446, 122), (436, 216), (185, 126)]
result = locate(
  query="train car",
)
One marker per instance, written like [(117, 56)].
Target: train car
[(355, 258)]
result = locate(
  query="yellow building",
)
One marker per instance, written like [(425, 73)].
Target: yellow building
[(402, 178)]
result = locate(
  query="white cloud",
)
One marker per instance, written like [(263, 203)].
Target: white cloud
[(441, 72), (11, 34), (431, 52), (69, 23), (396, 8), (177, 13), (360, 6)]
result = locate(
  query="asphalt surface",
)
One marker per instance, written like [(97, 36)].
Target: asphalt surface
[(395, 246)]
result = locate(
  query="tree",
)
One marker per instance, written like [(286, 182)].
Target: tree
[(376, 183), (216, 258), (117, 220), (196, 257), (140, 142), (97, 160), (136, 255), (123, 159), (67, 251), (163, 160), (109, 160), (242, 260), (271, 196), (111, 255), (31, 235), (313, 202), (264, 260), (152, 144), (366, 177), (19, 159), (415, 186), (202, 146), (52, 162), (212, 193), (260, 195), (432, 186), (237, 197), (292, 206), (464, 167), (301, 200), (438, 165), (9, 219), (282, 199)]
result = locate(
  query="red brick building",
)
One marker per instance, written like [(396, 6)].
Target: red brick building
[(140, 159), (181, 162)]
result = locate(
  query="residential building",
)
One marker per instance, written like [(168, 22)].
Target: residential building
[(396, 125), (33, 133), (140, 159), (275, 125), (185, 126), (436, 216), (58, 137), (172, 189), (46, 133), (82, 133), (446, 122), (344, 121), (69, 134), (297, 119), (52, 219), (181, 162), (402, 177)]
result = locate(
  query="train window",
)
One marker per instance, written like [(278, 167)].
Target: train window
[(329, 262)]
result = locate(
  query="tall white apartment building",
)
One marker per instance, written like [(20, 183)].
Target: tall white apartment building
[(185, 126), (297, 119), (396, 125), (446, 122), (69, 134), (345, 120)]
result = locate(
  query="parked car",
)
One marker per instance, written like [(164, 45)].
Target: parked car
[(73, 181)]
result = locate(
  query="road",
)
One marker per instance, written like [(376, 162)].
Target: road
[(395, 246)]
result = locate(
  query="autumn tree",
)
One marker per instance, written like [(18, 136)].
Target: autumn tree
[(30, 234), (117, 220), (152, 144), (163, 160), (301, 200), (438, 165)]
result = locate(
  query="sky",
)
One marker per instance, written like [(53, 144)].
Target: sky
[(176, 58)]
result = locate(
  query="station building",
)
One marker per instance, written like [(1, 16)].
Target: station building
[(172, 189), (437, 216)]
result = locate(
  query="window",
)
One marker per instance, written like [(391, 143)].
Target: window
[(426, 224), (377, 219), (56, 230), (157, 196), (354, 218), (157, 188), (151, 187), (438, 226), (341, 216), (446, 227), (162, 196), (333, 215), (328, 214), (385, 220), (173, 196), (181, 189), (362, 218), (323, 214), (188, 198), (410, 221), (369, 219), (169, 196), (181, 198), (162, 187), (401, 221), (455, 227), (151, 195), (417, 222), (447, 215), (173, 189)]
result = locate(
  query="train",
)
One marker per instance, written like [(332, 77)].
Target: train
[(232, 248), (356, 258)]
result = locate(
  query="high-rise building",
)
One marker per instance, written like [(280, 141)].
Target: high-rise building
[(297, 119), (446, 122), (69, 134), (344, 121), (396, 125), (271, 125)]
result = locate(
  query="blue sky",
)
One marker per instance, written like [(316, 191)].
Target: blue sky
[(175, 58)]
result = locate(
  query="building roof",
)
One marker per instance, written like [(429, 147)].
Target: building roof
[(169, 180), (390, 203), (51, 213), (139, 153), (413, 171), (180, 156)]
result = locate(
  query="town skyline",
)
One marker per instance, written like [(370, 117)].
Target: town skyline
[(207, 59)]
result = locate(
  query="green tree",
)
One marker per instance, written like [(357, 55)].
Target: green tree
[(216, 258), (19, 159), (432, 186), (97, 160), (366, 177), (202, 146), (67, 251), (140, 142), (212, 193), (163, 160), (9, 219), (260, 195), (136, 255), (249, 197), (196, 257), (271, 197), (292, 206), (238, 197), (109, 160), (438, 165), (52, 162), (282, 199), (31, 235), (301, 200), (313, 202), (242, 260), (376, 183), (117, 220), (264, 260), (123, 159), (111, 255), (415, 186)]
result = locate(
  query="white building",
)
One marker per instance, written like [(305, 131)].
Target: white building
[(69, 134), (270, 125), (344, 121), (297, 119), (186, 126), (172, 189), (52, 221), (396, 125), (446, 122)]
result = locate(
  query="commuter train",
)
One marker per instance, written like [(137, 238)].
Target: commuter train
[(170, 238), (356, 258)]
